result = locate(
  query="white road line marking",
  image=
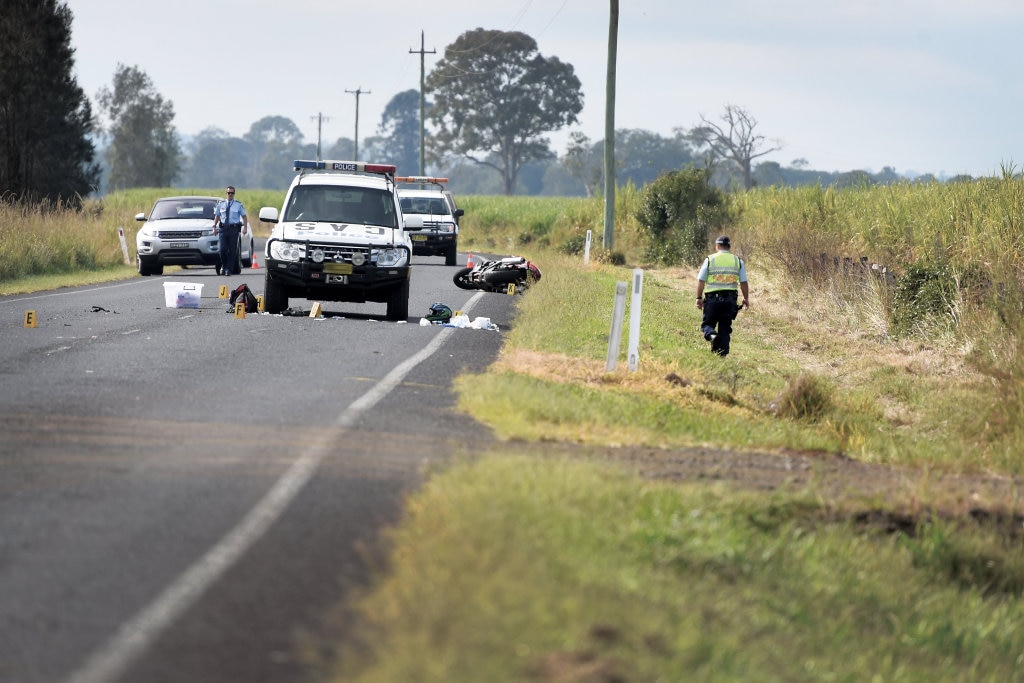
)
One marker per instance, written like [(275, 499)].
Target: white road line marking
[(142, 630), (66, 293)]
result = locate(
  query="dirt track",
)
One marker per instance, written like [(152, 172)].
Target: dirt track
[(878, 494)]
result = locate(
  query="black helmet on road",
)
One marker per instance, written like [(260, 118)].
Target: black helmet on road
[(439, 313)]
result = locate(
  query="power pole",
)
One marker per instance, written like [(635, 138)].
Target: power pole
[(422, 53), (357, 92), (609, 129), (319, 118)]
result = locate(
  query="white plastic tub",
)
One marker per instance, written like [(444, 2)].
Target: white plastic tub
[(182, 294)]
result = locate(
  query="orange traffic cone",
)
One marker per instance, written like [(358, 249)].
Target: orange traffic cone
[(255, 263), (469, 260)]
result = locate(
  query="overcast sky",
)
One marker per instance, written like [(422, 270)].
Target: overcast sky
[(923, 86)]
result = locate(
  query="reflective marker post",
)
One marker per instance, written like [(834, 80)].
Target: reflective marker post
[(634, 320), (615, 338), (124, 245)]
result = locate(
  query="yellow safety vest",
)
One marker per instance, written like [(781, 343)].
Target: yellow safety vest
[(723, 272)]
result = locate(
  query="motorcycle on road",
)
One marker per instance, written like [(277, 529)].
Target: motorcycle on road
[(512, 274)]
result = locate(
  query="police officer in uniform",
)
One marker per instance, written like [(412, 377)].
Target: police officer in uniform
[(229, 221), (722, 276)]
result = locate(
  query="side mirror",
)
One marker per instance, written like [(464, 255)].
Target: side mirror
[(268, 214), (140, 216), (413, 222), (459, 213)]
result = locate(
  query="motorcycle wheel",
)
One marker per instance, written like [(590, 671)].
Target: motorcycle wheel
[(461, 279)]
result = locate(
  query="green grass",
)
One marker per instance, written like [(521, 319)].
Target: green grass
[(522, 568)]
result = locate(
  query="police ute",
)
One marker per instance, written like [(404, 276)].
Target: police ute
[(431, 200), (340, 236)]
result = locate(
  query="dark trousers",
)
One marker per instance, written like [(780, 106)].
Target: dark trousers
[(229, 249), (719, 312)]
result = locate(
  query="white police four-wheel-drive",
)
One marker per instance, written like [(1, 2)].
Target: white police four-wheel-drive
[(340, 236)]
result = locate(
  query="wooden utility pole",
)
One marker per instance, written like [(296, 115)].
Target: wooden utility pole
[(609, 129), (319, 118), (357, 92), (422, 53)]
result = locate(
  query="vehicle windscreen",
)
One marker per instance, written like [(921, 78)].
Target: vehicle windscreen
[(424, 205), (333, 204), (164, 210)]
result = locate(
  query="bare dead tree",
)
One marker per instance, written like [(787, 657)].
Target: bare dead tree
[(733, 140)]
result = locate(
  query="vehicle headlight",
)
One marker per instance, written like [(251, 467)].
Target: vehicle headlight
[(286, 251), (208, 232), (389, 258), (147, 231), (446, 227)]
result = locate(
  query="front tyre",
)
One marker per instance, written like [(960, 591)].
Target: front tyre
[(147, 267), (275, 298), (461, 279), (398, 303), (451, 255)]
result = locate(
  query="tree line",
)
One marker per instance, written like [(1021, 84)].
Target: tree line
[(493, 100)]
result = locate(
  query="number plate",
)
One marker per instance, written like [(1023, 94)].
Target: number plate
[(179, 245), (338, 268), (419, 238)]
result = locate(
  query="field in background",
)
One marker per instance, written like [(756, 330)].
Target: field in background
[(516, 564)]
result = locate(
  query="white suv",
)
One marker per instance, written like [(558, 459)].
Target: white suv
[(340, 236), (440, 235)]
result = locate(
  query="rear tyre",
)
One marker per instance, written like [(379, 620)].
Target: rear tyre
[(461, 278), (247, 262), (398, 303), (275, 299)]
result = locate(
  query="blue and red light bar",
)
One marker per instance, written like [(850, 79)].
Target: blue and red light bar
[(345, 166)]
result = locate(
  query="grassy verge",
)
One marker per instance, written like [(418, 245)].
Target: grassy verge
[(513, 566)]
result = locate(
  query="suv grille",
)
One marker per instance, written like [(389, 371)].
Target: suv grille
[(180, 234), (341, 253)]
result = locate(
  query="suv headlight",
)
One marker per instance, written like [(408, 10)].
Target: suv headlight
[(286, 251), (388, 258)]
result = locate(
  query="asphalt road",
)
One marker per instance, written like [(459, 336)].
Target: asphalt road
[(184, 495)]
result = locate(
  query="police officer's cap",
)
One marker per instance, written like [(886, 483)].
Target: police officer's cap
[(723, 240)]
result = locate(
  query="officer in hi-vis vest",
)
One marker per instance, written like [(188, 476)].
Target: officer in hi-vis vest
[(721, 277)]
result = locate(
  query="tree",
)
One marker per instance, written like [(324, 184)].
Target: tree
[(144, 150), (734, 141), (45, 118), (582, 162), (640, 157), (209, 163), (400, 130), (274, 143), (496, 96), (274, 129)]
